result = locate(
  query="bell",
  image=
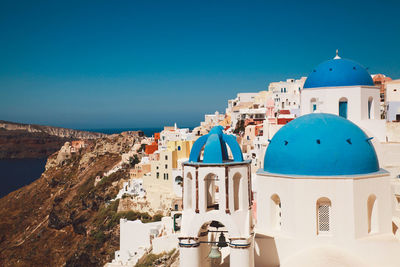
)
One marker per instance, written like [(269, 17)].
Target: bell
[(222, 241), (214, 252)]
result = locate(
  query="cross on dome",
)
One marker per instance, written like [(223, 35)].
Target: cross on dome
[(337, 54)]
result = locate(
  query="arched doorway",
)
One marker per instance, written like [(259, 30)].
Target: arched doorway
[(214, 248)]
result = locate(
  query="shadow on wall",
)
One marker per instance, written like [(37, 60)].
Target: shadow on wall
[(265, 252)]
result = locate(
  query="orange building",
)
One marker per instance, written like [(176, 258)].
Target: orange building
[(380, 81), (150, 149)]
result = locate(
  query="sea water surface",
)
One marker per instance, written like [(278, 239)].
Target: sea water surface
[(16, 173)]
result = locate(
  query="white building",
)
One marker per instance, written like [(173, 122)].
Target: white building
[(393, 100), (134, 187), (137, 238), (345, 88), (242, 101), (322, 199), (212, 119), (286, 94), (174, 134)]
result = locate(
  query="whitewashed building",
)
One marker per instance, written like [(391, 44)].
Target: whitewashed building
[(345, 88)]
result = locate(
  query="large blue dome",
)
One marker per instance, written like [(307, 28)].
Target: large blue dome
[(215, 148), (320, 144), (338, 72)]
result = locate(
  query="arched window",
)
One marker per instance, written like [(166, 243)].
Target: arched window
[(372, 214), (237, 192), (188, 191), (211, 192), (313, 105), (324, 216), (370, 107), (343, 107), (276, 212)]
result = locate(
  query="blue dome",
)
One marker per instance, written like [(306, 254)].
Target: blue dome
[(320, 144), (338, 72), (215, 148)]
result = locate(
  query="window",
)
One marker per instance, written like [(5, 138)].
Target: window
[(313, 105), (188, 191), (158, 174), (166, 166), (211, 192), (179, 148), (343, 107), (276, 212), (323, 216), (166, 157), (237, 192), (176, 206), (372, 214), (370, 108), (165, 176)]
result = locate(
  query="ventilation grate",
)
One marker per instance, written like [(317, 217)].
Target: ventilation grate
[(323, 218)]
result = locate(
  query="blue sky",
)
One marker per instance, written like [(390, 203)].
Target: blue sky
[(106, 64)]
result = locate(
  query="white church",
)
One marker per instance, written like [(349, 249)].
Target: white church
[(321, 198)]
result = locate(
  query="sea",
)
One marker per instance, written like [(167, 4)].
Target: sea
[(16, 173)]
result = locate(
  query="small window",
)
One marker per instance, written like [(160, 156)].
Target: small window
[(166, 176), (158, 174), (179, 148), (166, 166), (176, 206), (323, 216), (166, 157)]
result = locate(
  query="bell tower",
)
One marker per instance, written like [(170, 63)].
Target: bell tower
[(217, 221)]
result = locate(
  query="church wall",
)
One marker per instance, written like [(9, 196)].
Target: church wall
[(328, 100), (298, 200)]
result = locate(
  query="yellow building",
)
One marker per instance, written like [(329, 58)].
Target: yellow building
[(180, 150)]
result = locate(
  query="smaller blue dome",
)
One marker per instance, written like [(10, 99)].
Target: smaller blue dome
[(320, 144), (215, 148), (338, 72)]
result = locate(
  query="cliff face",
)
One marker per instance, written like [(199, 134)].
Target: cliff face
[(53, 131), (35, 141), (63, 219)]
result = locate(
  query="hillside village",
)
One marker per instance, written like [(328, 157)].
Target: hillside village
[(118, 200), (253, 118)]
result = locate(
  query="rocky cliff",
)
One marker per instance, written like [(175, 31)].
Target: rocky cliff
[(50, 130), (36, 141), (63, 218)]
